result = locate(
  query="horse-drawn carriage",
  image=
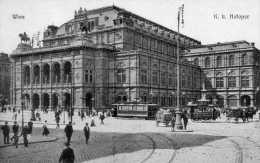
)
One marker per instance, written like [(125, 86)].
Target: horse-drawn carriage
[(245, 113)]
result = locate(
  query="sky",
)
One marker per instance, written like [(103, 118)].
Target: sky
[(199, 16)]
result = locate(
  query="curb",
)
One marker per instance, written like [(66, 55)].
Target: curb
[(34, 142)]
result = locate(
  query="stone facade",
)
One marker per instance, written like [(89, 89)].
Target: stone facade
[(101, 57), (5, 76), (231, 72)]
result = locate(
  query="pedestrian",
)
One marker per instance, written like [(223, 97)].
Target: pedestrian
[(102, 117), (185, 119), (30, 127), (24, 133), (6, 131), (86, 132), (67, 155), (57, 118), (15, 116), (173, 122), (82, 116), (15, 131), (92, 123), (68, 131), (45, 129)]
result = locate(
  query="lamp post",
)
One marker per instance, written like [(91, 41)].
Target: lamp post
[(22, 98), (178, 111)]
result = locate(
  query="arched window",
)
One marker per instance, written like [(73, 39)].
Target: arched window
[(231, 60), (244, 59), (207, 62), (232, 101), (231, 79), (196, 61), (244, 79), (219, 61), (219, 80)]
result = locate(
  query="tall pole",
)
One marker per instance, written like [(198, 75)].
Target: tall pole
[(178, 122)]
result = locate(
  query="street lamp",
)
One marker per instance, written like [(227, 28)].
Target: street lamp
[(178, 111), (22, 98)]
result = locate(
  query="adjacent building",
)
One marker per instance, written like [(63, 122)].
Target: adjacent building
[(5, 77), (230, 71), (101, 57)]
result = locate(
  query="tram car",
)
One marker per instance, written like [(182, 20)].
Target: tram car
[(146, 111), (204, 113)]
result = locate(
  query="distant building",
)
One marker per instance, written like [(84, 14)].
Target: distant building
[(5, 76), (230, 71), (101, 57)]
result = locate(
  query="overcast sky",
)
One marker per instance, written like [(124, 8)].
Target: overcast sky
[(199, 17)]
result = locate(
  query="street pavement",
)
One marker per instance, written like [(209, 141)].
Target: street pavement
[(138, 141)]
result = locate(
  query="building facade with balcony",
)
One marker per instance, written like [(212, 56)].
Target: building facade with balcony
[(101, 57), (230, 71)]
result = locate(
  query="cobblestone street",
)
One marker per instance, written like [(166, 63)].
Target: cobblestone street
[(133, 141)]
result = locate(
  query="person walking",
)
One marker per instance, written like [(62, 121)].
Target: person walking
[(68, 131), (24, 133), (86, 132), (102, 117), (173, 122), (67, 155), (185, 119), (57, 118), (15, 131), (6, 131), (92, 122), (45, 129)]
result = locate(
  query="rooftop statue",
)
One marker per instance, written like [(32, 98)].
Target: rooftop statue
[(24, 37)]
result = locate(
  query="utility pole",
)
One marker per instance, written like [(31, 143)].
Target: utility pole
[(178, 111)]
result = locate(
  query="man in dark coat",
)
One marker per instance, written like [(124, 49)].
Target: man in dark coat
[(86, 132), (6, 131), (67, 155), (24, 133), (15, 131), (185, 119), (68, 131)]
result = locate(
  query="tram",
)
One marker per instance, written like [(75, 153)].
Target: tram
[(146, 111)]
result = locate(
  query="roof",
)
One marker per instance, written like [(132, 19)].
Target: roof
[(113, 7)]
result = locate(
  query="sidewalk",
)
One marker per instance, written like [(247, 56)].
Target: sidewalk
[(32, 140)]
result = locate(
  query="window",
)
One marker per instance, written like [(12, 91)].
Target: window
[(231, 79), (244, 79), (219, 80), (196, 61), (219, 61), (170, 80), (86, 75), (208, 83), (163, 78), (231, 60), (121, 76), (155, 77), (90, 76), (244, 59), (207, 62), (143, 76), (232, 101)]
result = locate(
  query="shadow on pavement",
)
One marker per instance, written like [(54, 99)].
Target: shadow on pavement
[(102, 144)]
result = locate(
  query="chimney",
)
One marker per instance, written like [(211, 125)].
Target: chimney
[(252, 44)]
